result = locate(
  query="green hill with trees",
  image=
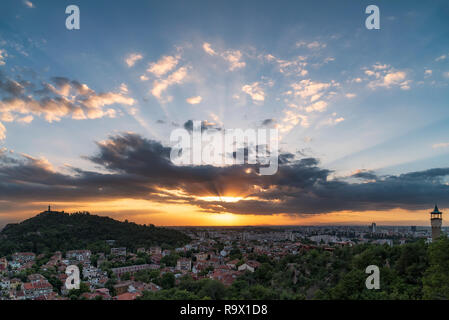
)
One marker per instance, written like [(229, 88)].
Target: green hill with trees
[(53, 231)]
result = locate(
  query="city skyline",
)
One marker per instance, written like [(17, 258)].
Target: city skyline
[(86, 115)]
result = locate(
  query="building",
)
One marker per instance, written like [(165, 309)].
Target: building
[(118, 251), (129, 269), (23, 257), (251, 266), (184, 264), (3, 264), (155, 250), (436, 220), (36, 289), (373, 227), (78, 255), (122, 287)]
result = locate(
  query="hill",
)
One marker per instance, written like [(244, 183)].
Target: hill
[(50, 231)]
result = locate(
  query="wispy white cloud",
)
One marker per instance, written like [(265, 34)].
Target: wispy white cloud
[(3, 55), (254, 91), (163, 65), (294, 66), (311, 45), (442, 57), (29, 4), (27, 119), (319, 106), (233, 57), (207, 48), (440, 145), (132, 58), (2, 132), (332, 121), (194, 100), (387, 77), (159, 86)]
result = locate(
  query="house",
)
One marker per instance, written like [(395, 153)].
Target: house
[(200, 256), (127, 296), (227, 277), (36, 277), (156, 258), (4, 284), (184, 264), (15, 283), (3, 264), (118, 251), (78, 255), (33, 290), (129, 269), (103, 293), (122, 287), (155, 250), (232, 264), (141, 250), (23, 257), (250, 265)]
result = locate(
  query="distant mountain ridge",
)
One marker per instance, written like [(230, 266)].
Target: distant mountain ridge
[(51, 231)]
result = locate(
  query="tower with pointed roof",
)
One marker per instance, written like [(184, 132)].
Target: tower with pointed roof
[(436, 220)]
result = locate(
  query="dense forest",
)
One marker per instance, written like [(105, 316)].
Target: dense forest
[(53, 231), (411, 271)]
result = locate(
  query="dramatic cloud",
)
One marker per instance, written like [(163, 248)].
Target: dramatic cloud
[(62, 97), (141, 169)]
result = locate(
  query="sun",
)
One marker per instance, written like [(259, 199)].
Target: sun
[(221, 199)]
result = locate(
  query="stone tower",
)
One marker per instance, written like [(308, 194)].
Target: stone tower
[(436, 219)]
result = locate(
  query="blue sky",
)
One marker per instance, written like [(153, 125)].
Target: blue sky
[(355, 99)]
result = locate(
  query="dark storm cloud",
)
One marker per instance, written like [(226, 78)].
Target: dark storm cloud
[(205, 125), (134, 167), (268, 122), (368, 175)]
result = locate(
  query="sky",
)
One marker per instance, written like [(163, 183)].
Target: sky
[(86, 115)]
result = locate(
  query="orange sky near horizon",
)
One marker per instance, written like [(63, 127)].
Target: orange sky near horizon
[(145, 212)]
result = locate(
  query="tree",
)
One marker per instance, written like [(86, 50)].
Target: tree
[(212, 289), (436, 279), (168, 280)]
